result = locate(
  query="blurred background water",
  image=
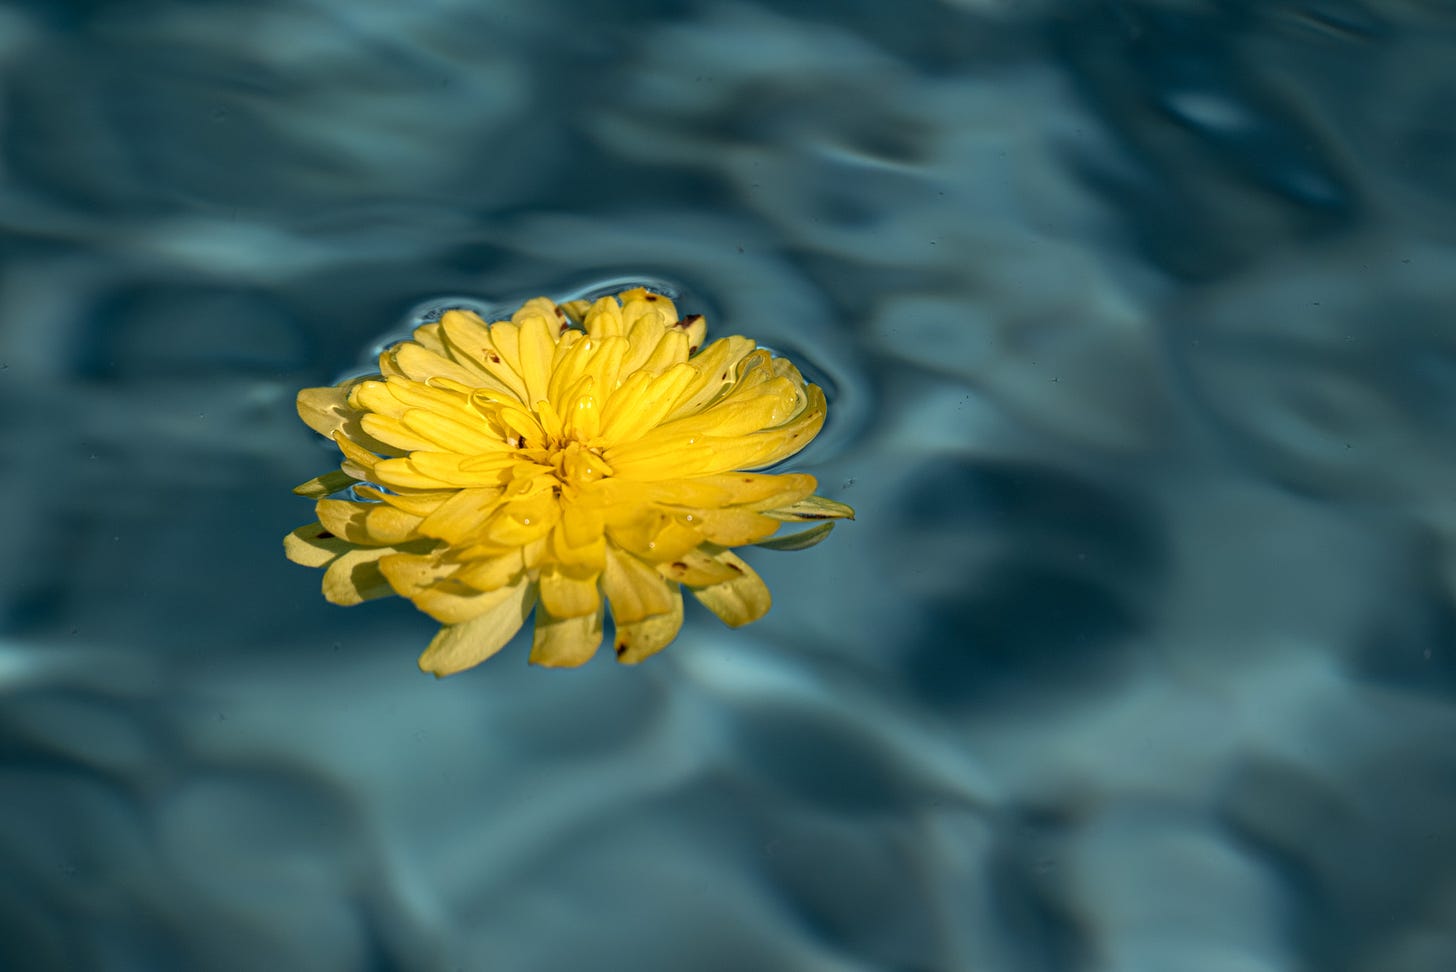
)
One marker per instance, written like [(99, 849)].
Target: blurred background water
[(1137, 318)]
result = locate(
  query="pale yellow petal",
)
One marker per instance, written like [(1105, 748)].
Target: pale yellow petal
[(604, 319), (650, 533), (411, 573), (642, 403), (461, 646), (731, 527), (639, 302), (451, 602), (468, 337), (634, 590), (460, 432), (355, 577), (569, 594), (565, 642), (635, 641), (717, 364), (313, 546), (523, 522), (490, 573), (538, 348), (328, 412), (461, 517), (392, 432), (370, 524), (697, 568), (420, 364), (739, 601)]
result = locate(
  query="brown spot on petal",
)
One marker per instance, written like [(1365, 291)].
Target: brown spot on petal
[(735, 567), (621, 648), (324, 535), (653, 297), (692, 349), (689, 321), (494, 358)]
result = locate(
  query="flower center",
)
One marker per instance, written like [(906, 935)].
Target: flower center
[(576, 465)]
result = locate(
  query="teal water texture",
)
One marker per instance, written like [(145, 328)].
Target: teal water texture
[(1137, 319)]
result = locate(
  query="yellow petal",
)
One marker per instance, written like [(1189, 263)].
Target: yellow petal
[(355, 577), (538, 348), (697, 568), (633, 588), (329, 412), (524, 521), (636, 641), (651, 534), (451, 602), (411, 573), (739, 601), (421, 364), (491, 573), (391, 431), (643, 402), (716, 366), (468, 337), (462, 516), (461, 646), (313, 546), (639, 303), (453, 433), (569, 594), (731, 527), (604, 319), (370, 524), (565, 642)]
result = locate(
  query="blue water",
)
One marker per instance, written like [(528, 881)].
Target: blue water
[(1139, 320)]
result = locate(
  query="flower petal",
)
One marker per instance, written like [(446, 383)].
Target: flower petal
[(565, 642), (569, 594), (461, 646), (636, 641), (355, 577), (697, 568), (461, 517), (633, 588), (739, 601), (327, 411), (811, 508), (313, 546), (370, 524)]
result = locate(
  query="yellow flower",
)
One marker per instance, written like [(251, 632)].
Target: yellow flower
[(532, 463)]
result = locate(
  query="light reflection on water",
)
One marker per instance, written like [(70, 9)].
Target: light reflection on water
[(1138, 657)]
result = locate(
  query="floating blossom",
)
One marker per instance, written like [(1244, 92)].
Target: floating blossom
[(570, 458)]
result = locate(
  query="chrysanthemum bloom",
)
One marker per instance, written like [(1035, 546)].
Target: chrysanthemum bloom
[(531, 463)]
